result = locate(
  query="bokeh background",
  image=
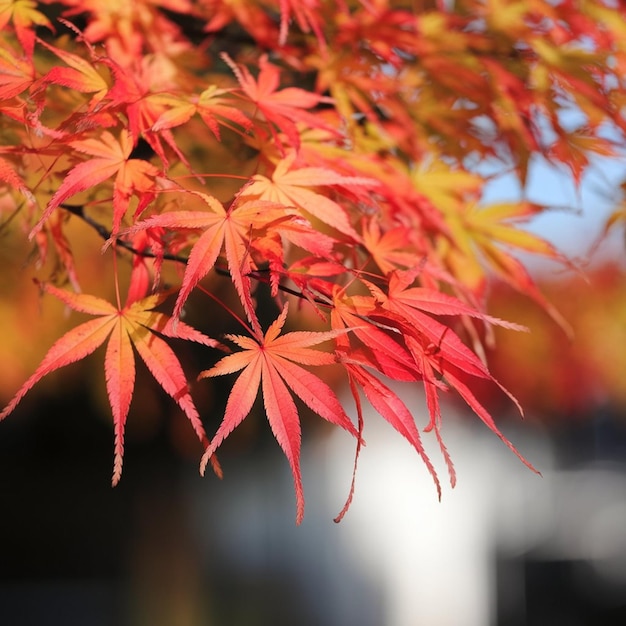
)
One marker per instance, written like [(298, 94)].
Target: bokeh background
[(504, 548)]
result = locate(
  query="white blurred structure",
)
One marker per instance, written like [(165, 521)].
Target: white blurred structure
[(400, 557), (437, 559)]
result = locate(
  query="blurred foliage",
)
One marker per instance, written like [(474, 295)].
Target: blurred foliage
[(558, 377)]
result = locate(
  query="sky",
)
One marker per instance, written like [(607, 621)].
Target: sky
[(579, 214)]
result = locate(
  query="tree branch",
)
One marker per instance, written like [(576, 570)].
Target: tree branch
[(105, 233)]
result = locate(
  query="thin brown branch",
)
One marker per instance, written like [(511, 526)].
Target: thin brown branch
[(105, 233)]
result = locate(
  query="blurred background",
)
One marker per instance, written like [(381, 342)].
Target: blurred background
[(504, 548)]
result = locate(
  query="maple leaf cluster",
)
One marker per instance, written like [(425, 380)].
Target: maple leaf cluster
[(327, 152)]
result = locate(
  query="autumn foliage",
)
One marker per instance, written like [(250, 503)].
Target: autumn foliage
[(576, 378), (332, 154)]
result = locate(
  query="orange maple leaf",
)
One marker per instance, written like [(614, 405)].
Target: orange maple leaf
[(228, 229), (390, 248), (24, 15), (136, 324), (12, 178), (270, 362), (111, 158), (16, 73), (281, 108), (80, 75), (296, 187), (210, 105)]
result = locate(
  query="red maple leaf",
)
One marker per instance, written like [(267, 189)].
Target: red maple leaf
[(111, 159), (136, 324), (281, 108), (308, 16), (228, 229), (270, 362), (436, 348), (295, 186)]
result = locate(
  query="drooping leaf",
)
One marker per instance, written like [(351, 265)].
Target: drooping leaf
[(308, 16), (252, 18), (393, 409), (9, 175)]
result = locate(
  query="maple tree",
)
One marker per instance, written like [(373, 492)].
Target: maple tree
[(329, 153)]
